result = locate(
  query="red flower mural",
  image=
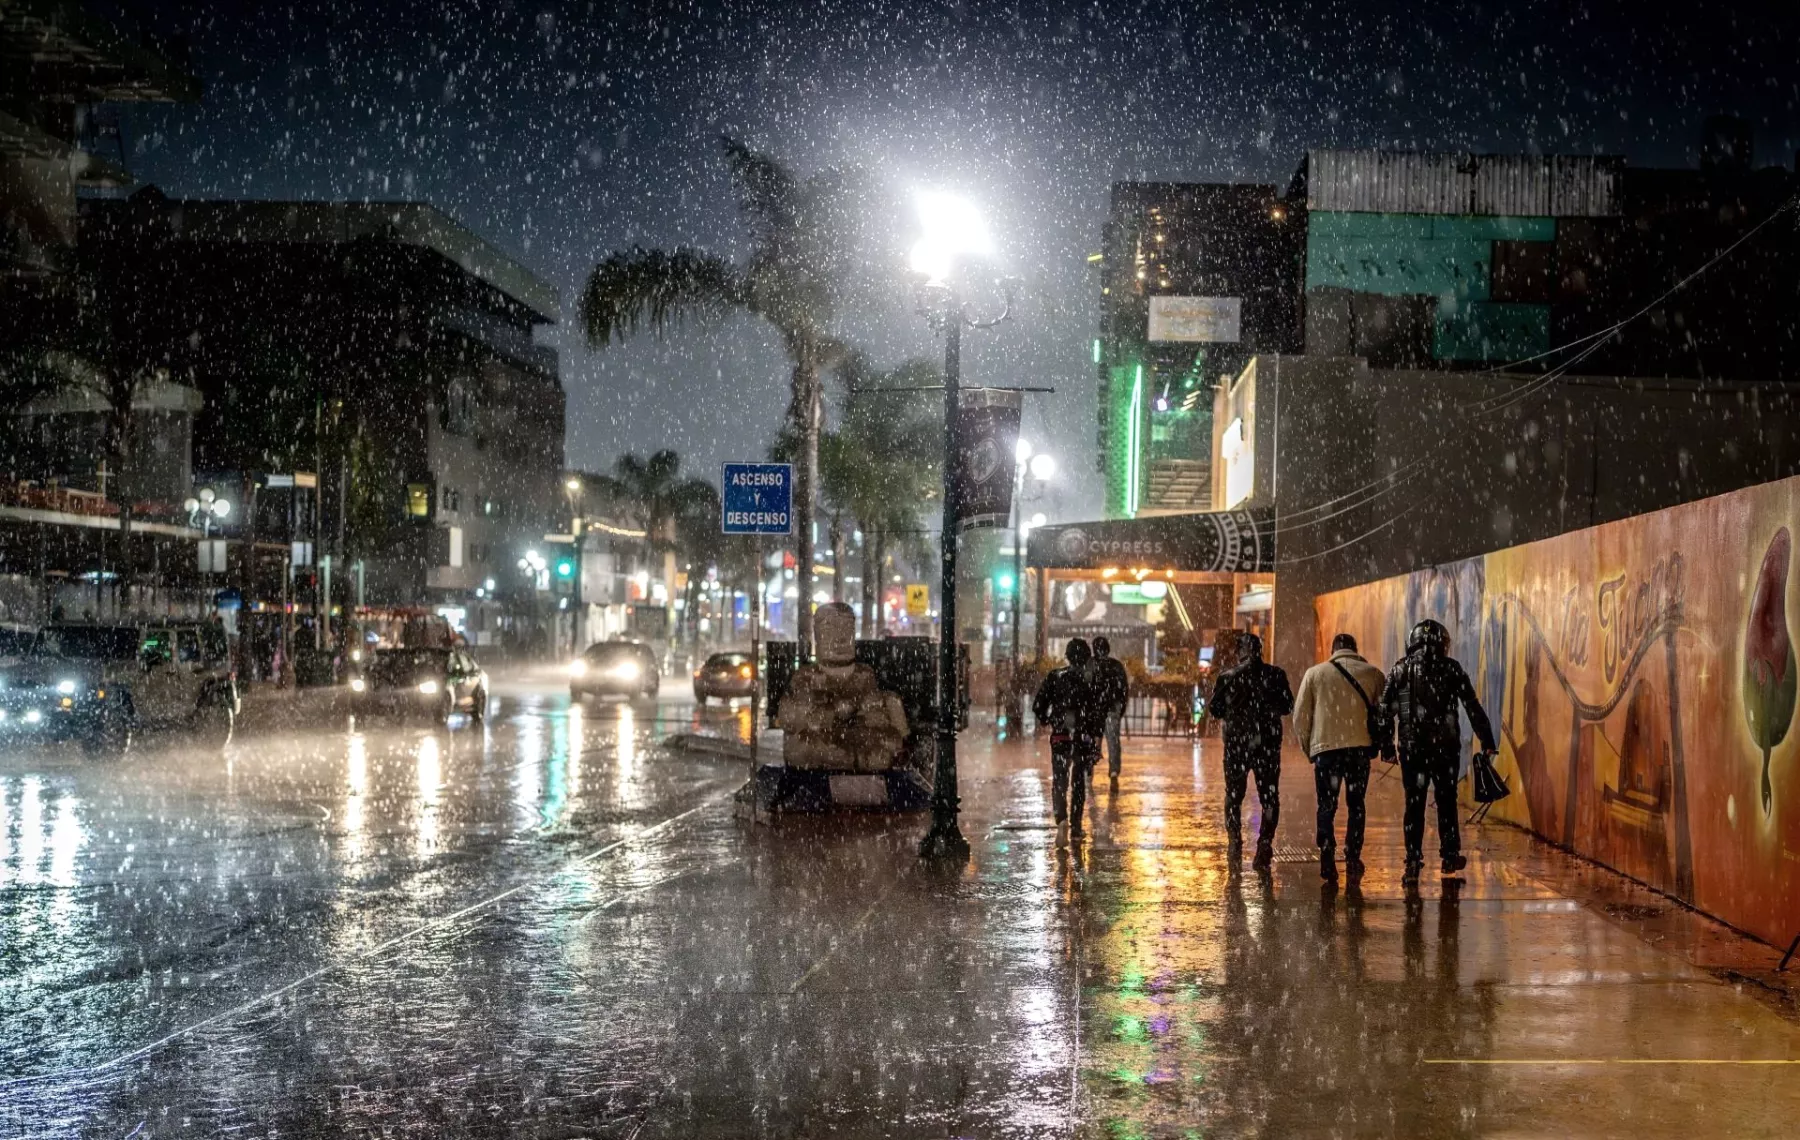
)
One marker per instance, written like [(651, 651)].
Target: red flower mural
[(1769, 666)]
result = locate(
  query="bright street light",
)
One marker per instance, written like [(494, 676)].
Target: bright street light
[(1022, 449), (572, 486), (950, 226), (1043, 466), (1039, 519)]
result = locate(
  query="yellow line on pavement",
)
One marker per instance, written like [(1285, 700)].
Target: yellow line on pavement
[(1612, 1060)]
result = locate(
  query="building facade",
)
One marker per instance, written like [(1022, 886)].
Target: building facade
[(1194, 280), (380, 347)]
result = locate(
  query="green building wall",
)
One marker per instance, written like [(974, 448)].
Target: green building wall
[(1450, 258)]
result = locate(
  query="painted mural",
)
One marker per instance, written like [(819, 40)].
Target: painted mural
[(1642, 678)]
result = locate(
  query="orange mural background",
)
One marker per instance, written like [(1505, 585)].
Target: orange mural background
[(1641, 676)]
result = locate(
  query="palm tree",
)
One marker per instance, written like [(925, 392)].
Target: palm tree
[(802, 232), (878, 467), (652, 496)]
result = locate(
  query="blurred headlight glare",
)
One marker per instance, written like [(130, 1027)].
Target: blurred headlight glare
[(357, 684), (65, 686), (428, 687), (578, 668)]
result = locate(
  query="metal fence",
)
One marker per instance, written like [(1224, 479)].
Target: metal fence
[(1163, 714)]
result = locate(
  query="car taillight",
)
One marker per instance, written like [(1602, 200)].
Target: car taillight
[(744, 670)]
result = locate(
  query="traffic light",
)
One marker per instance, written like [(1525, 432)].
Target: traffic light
[(565, 568), (1003, 583)]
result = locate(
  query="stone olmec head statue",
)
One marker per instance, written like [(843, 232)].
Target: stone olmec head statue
[(835, 714), (834, 634)]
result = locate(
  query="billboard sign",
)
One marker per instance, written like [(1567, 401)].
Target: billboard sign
[(757, 498), (1241, 542), (1203, 320)]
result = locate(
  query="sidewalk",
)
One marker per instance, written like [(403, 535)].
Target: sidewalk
[(1133, 985)]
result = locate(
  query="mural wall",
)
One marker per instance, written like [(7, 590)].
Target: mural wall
[(1641, 676)]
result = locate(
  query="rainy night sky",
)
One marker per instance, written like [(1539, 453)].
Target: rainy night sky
[(563, 130)]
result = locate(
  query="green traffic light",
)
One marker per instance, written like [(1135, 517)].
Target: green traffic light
[(565, 569)]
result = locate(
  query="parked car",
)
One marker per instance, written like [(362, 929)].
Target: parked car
[(615, 668), (726, 676), (432, 682), (100, 684), (15, 643)]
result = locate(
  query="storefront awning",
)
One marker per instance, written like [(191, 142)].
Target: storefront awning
[(1231, 542)]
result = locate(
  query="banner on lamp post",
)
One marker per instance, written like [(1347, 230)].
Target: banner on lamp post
[(987, 434)]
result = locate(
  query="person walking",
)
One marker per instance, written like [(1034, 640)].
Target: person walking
[(1338, 719), (1424, 690), (1115, 693), (1067, 701), (1251, 698)]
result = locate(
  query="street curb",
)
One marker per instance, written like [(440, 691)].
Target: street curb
[(699, 744)]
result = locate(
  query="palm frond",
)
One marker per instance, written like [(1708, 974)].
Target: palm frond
[(768, 193), (655, 285)]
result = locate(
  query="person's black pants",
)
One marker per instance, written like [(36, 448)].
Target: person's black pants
[(1434, 774), (1348, 767), (1071, 766), (1239, 764)]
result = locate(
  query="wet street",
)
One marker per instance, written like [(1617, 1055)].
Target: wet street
[(549, 925)]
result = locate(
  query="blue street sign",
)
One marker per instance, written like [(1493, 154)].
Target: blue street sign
[(758, 498)]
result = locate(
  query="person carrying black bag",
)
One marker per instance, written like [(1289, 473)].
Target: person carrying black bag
[(1338, 718), (1424, 690)]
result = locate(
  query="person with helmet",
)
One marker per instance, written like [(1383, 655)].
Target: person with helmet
[(1250, 699), (1069, 703), (1424, 690), (1115, 694)]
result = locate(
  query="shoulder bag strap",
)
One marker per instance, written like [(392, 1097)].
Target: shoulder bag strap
[(1367, 703)]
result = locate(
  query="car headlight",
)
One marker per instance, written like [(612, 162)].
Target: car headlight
[(578, 668), (428, 687), (32, 716), (357, 684), (625, 670), (66, 687)]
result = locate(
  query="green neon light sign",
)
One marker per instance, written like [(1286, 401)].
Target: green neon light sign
[(1133, 414)]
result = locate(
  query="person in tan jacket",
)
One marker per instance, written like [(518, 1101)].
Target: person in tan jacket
[(1337, 700)]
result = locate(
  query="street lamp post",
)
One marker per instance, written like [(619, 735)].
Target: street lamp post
[(202, 511), (951, 228), (1042, 468), (575, 488)]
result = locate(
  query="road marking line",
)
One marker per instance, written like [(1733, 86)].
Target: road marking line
[(365, 955), (1612, 1061)]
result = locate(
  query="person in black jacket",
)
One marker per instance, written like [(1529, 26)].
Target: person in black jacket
[(1424, 690), (1115, 694), (1068, 702), (1251, 699)]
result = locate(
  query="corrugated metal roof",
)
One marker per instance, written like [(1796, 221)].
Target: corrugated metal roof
[(1402, 182)]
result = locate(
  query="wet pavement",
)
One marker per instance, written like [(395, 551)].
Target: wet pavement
[(548, 925)]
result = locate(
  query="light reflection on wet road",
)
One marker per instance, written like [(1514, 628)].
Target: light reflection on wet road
[(549, 925)]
